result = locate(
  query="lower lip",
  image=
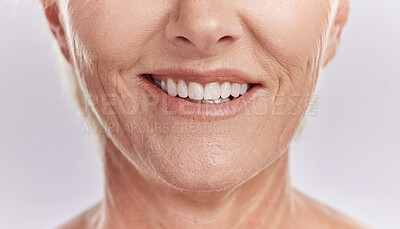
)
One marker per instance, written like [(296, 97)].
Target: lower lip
[(193, 110)]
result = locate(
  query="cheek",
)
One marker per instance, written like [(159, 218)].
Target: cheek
[(114, 32), (290, 35), (105, 37), (289, 30)]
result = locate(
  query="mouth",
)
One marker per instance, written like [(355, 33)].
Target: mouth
[(211, 93), (206, 95)]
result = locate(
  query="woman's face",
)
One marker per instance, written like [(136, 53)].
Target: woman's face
[(188, 145)]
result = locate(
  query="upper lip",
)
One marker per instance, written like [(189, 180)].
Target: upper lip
[(206, 76)]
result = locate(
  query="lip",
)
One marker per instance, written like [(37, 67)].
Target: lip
[(208, 76), (203, 111)]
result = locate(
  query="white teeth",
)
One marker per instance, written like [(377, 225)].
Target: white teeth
[(182, 89), (212, 101), (171, 88), (235, 90), (212, 91), (216, 101), (243, 89), (163, 86), (195, 91), (225, 90)]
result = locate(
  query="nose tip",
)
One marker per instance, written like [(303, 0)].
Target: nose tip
[(203, 26)]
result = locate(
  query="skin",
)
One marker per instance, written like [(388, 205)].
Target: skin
[(234, 175)]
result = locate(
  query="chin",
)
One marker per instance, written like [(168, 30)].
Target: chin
[(202, 165), (203, 176)]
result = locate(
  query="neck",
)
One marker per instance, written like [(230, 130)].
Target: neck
[(264, 201)]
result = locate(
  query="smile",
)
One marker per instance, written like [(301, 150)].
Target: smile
[(212, 94)]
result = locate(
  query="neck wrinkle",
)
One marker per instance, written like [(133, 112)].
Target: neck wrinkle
[(265, 201)]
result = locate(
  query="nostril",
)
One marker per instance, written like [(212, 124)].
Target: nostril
[(226, 38), (184, 39), (203, 43)]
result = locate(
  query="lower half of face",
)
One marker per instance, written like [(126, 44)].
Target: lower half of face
[(198, 100)]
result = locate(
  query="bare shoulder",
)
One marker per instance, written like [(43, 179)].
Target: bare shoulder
[(86, 220), (317, 215)]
